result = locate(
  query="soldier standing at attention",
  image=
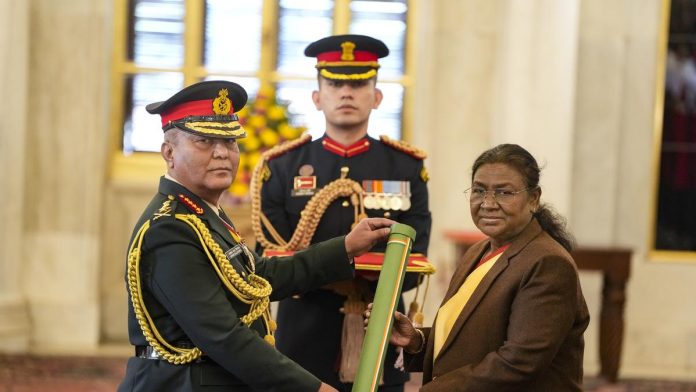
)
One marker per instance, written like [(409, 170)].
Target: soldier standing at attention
[(198, 313), (311, 326)]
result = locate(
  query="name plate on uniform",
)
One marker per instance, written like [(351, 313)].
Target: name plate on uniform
[(233, 252), (304, 185), (386, 195)]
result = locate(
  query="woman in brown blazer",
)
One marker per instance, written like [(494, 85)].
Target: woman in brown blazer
[(514, 315)]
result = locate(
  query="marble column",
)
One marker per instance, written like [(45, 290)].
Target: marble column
[(14, 28), (67, 131), (534, 99)]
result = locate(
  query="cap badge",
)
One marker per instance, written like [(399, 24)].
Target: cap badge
[(222, 104), (347, 54)]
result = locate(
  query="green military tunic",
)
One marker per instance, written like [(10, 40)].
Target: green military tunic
[(190, 306)]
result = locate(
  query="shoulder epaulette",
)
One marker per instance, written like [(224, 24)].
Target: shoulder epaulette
[(284, 147), (403, 147)]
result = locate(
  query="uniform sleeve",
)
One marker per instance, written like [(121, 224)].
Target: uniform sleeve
[(322, 263), (273, 193), (542, 315), (418, 217), (183, 281)]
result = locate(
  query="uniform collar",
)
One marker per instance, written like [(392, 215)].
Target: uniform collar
[(213, 207), (339, 149), (170, 186)]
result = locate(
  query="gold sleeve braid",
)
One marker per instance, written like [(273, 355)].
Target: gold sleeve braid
[(313, 211), (256, 292)]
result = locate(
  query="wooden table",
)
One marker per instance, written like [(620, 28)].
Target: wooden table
[(615, 266)]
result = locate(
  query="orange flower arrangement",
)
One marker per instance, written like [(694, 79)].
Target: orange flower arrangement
[(267, 123)]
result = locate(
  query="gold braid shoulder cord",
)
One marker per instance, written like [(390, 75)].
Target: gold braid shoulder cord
[(313, 211), (256, 292)]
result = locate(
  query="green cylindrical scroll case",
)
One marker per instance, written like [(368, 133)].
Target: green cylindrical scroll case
[(382, 316)]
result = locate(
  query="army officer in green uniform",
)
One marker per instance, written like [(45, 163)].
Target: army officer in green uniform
[(198, 297)]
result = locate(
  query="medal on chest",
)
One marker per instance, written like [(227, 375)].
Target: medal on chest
[(387, 195)]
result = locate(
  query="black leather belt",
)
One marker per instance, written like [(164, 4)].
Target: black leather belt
[(148, 352)]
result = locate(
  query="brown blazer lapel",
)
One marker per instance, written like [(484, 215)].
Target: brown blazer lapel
[(475, 299), (464, 267)]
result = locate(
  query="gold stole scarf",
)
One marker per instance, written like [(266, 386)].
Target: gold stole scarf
[(449, 312)]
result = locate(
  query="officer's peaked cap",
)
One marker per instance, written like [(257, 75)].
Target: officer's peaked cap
[(347, 57), (205, 108)]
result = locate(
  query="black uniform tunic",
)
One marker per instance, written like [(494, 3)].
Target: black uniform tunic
[(310, 325)]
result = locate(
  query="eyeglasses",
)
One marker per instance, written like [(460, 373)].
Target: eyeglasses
[(477, 195)]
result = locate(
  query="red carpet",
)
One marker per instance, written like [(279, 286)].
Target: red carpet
[(27, 373), (24, 373)]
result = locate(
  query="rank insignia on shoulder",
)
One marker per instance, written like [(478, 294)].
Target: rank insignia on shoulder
[(304, 185), (424, 174), (165, 210), (403, 147), (191, 204)]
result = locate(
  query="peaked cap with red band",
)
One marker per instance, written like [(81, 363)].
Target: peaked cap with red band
[(347, 57), (205, 108)]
